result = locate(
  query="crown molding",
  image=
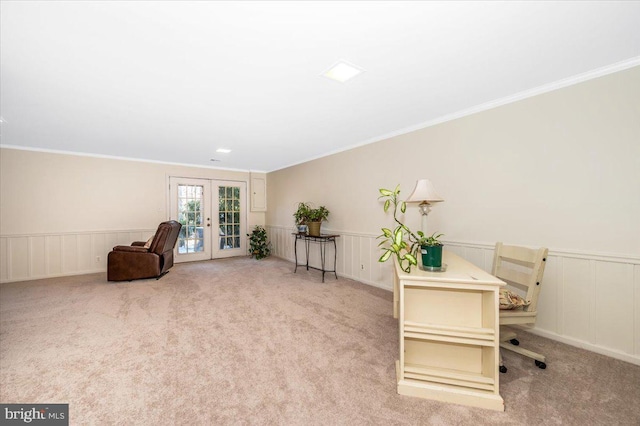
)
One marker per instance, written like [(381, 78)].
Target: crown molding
[(114, 157), (570, 81)]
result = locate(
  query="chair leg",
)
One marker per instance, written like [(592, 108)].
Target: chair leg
[(507, 335), (502, 368), (539, 359), (522, 351), (509, 342)]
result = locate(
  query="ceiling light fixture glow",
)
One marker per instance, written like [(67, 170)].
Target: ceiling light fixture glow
[(223, 150), (342, 71)]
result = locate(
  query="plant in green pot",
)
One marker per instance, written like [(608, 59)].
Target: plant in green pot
[(431, 251), (402, 242)]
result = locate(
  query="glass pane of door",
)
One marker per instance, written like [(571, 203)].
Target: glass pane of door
[(231, 216), (190, 215), (191, 206)]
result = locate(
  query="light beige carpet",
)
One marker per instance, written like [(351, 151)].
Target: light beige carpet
[(241, 341)]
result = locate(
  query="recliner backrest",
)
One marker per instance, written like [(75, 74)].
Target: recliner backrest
[(166, 237)]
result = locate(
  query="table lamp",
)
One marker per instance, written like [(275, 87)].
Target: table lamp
[(425, 194)]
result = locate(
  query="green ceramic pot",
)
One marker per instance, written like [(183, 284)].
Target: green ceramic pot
[(431, 256)]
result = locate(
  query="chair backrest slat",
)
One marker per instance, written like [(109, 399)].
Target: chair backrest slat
[(522, 267), (512, 276)]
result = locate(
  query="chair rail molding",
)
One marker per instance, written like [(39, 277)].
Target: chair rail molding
[(580, 302)]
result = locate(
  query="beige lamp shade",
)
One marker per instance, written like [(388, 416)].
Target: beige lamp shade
[(424, 192)]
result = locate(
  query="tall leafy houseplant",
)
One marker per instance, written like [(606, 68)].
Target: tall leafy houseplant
[(258, 244), (394, 243)]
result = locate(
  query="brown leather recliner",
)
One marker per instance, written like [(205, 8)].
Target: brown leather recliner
[(126, 263)]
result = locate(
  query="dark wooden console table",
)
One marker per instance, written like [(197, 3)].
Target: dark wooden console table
[(322, 241)]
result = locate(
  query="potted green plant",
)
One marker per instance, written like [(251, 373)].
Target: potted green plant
[(395, 242), (301, 216), (258, 244), (307, 217), (316, 216), (431, 251)]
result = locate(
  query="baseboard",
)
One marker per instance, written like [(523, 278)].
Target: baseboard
[(60, 275), (586, 345)]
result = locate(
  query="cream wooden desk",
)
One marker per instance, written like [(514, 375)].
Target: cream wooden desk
[(449, 334)]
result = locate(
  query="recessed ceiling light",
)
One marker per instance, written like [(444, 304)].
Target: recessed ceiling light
[(223, 150), (342, 71)]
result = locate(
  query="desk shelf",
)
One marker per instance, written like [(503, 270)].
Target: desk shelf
[(461, 335), (449, 345), (449, 377)]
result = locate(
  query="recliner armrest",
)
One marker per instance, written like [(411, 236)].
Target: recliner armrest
[(133, 249), (138, 243)]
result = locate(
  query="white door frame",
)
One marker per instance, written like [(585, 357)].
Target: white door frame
[(200, 240)]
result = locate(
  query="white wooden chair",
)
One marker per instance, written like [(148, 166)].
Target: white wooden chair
[(521, 268)]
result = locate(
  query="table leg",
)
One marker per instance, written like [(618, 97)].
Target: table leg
[(335, 258), (322, 255), (295, 252)]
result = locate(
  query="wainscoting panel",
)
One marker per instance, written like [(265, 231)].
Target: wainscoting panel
[(587, 300), (614, 306), (577, 299), (28, 257), (636, 309), (70, 254), (4, 259), (346, 254), (19, 259), (53, 259)]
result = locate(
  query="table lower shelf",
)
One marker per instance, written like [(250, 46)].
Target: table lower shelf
[(466, 389), (449, 377)]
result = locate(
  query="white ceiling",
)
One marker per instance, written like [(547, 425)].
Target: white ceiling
[(174, 81)]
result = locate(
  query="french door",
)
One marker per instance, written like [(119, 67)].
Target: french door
[(213, 214)]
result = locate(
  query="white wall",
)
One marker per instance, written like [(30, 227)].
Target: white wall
[(60, 212), (560, 170)]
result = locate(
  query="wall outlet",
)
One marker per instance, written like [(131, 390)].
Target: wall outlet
[(362, 267), (97, 259)]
